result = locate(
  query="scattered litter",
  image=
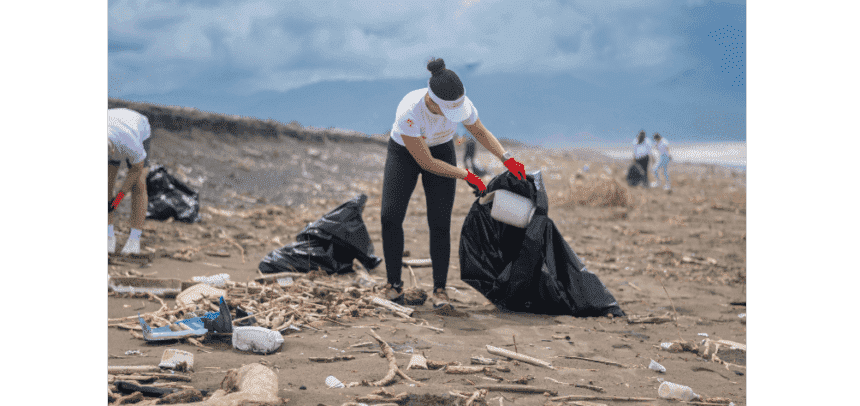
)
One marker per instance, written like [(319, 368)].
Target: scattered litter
[(256, 339), (669, 390), (133, 352), (333, 382), (217, 281), (177, 359), (703, 334), (656, 367), (742, 315), (417, 362), (284, 282)]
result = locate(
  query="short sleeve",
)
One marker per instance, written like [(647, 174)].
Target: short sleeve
[(407, 126), (473, 116)]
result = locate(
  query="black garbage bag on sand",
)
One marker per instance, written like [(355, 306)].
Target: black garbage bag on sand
[(330, 243), (635, 175), (168, 197), (530, 269)]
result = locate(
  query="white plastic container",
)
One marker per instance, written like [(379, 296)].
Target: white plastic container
[(512, 209), (669, 390), (333, 382), (256, 339)]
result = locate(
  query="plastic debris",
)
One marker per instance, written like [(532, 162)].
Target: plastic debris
[(256, 339), (656, 367)]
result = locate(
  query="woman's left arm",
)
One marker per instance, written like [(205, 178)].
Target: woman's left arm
[(486, 138)]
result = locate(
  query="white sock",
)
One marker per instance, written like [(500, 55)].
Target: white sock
[(134, 234), (110, 230)]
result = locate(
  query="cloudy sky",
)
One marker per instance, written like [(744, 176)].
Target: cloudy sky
[(550, 72)]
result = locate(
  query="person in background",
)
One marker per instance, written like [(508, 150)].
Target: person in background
[(662, 161), (422, 143), (469, 157), (128, 140), (641, 153)]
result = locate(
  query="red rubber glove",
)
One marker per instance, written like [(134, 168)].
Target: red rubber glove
[(516, 168), (475, 180), (112, 206)]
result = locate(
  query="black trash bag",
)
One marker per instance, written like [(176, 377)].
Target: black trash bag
[(531, 270), (635, 175), (168, 197), (330, 243)]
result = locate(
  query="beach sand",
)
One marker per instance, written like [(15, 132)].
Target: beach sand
[(692, 241)]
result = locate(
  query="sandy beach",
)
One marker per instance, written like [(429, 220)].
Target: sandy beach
[(678, 258)]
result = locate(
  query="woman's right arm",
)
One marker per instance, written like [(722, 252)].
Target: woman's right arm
[(419, 150)]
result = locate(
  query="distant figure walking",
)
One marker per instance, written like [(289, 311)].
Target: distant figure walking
[(469, 158), (662, 161), (641, 153), (128, 140)]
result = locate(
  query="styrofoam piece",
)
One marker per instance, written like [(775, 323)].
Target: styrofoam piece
[(198, 291), (256, 339), (512, 209)]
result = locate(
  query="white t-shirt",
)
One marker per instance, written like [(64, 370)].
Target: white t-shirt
[(663, 147), (415, 120), (128, 129), (641, 150)]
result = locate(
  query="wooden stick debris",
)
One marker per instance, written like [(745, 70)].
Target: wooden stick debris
[(517, 388), (418, 262), (394, 307), (457, 369), (519, 357), (332, 359), (597, 397), (577, 385), (393, 370), (133, 369), (595, 360)]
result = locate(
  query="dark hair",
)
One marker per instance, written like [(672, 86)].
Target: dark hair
[(657, 136), (641, 137), (444, 82)]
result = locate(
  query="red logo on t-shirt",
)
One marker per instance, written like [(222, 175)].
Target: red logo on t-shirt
[(409, 122)]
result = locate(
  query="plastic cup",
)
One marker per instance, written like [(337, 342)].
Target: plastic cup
[(669, 390), (333, 382), (656, 367), (513, 209)]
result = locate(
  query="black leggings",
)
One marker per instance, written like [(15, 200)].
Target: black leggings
[(401, 176)]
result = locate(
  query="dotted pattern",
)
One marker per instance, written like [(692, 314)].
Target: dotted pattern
[(733, 61)]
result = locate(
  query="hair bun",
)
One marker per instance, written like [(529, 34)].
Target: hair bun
[(436, 65)]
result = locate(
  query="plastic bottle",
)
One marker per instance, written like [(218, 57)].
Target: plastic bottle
[(256, 339), (656, 367), (669, 390)]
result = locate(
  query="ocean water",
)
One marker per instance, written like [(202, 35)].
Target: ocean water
[(728, 154)]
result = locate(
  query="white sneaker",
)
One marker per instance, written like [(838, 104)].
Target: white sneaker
[(111, 245), (131, 247)]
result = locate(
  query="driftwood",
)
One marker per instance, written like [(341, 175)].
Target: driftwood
[(417, 362), (118, 370), (478, 394), (393, 370), (394, 307), (519, 357), (417, 262), (383, 396), (598, 397), (595, 360), (634, 319), (479, 360), (456, 369), (184, 396), (577, 385), (332, 359), (517, 388)]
